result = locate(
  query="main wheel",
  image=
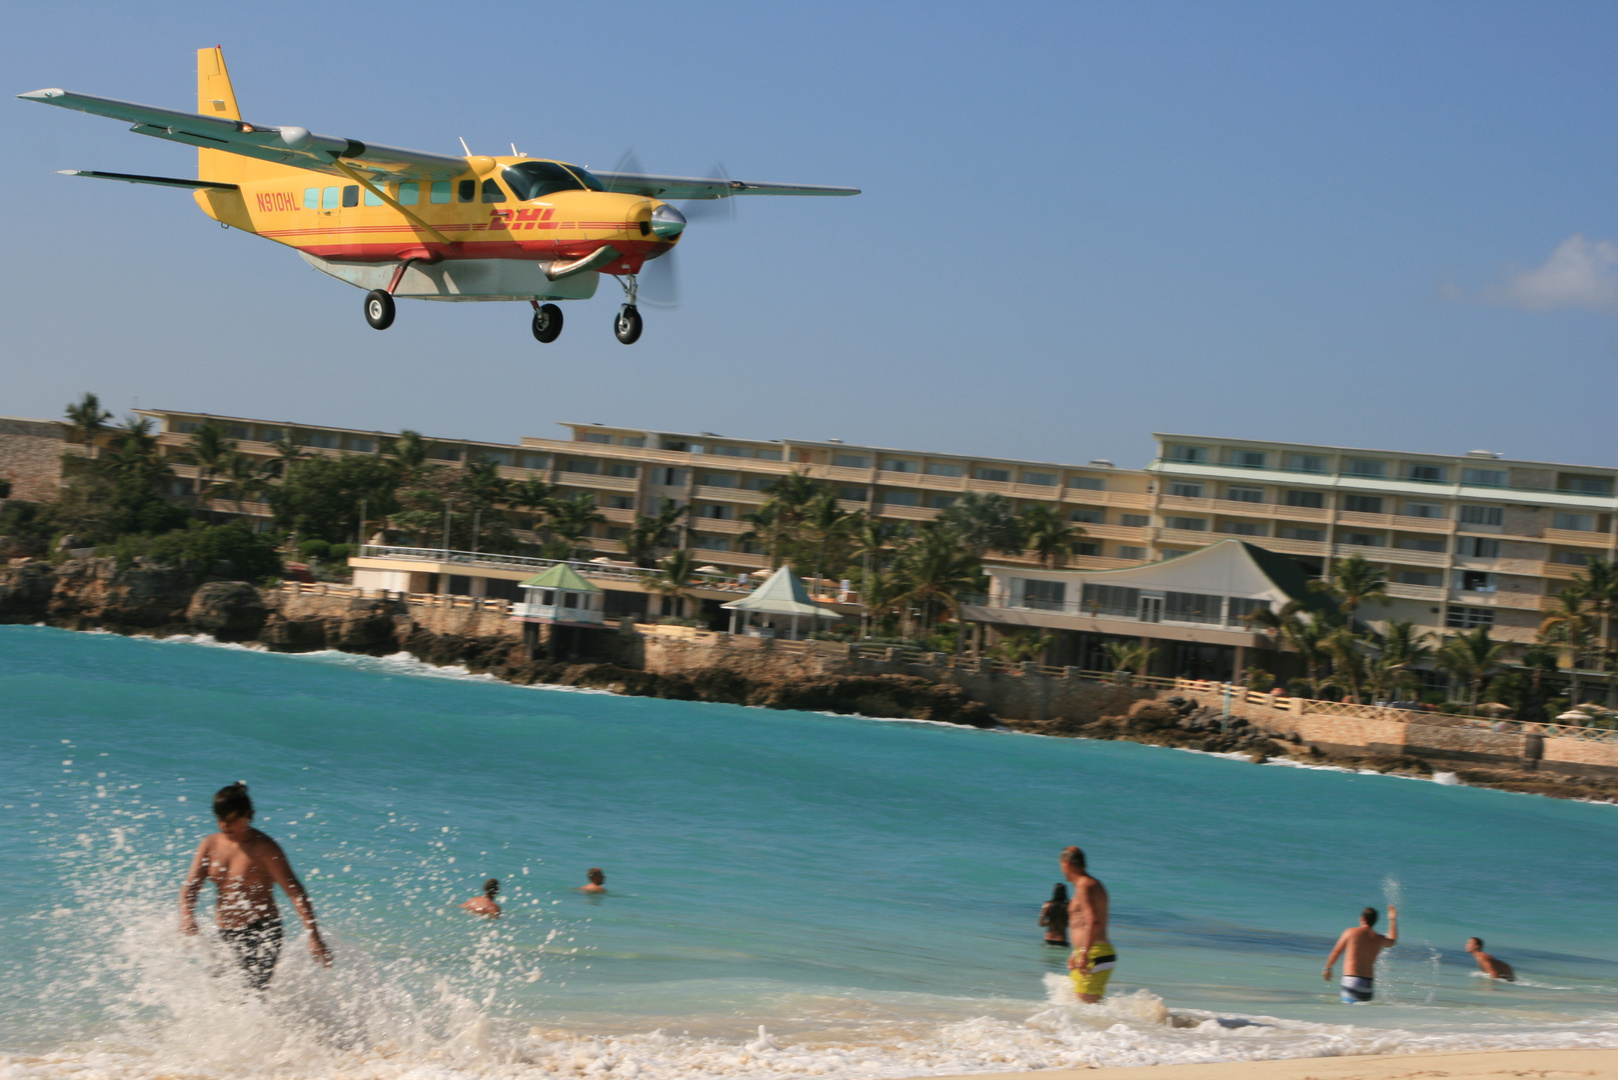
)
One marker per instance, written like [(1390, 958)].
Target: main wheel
[(379, 309), (627, 326), (548, 323)]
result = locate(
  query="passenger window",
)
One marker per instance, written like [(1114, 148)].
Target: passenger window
[(467, 190), (439, 192), (328, 198), (351, 195), (410, 194), (372, 198), (311, 198), (492, 192)]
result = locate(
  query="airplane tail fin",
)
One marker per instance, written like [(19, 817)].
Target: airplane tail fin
[(215, 97)]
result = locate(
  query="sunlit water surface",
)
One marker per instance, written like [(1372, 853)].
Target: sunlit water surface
[(791, 893)]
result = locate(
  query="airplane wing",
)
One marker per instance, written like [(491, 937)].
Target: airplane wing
[(697, 187), (295, 146)]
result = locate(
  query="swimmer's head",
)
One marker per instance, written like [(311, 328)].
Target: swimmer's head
[(491, 887), (595, 876), (1059, 894), (231, 805), (1474, 944), (1074, 857), (1368, 916)]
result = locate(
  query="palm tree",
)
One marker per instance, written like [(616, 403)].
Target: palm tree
[(136, 459), (651, 533), (1304, 636), (1129, 658), (1470, 658), (210, 449), (287, 455), (872, 539), (240, 477), (1348, 659), (570, 523), (830, 531), (88, 420), (779, 522), (1046, 534), (1399, 648), (484, 482), (934, 571), (1568, 625), (533, 495), (674, 578), (1351, 582), (983, 522), (1021, 646), (1599, 583)]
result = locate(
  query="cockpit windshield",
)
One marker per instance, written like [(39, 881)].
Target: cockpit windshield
[(537, 179)]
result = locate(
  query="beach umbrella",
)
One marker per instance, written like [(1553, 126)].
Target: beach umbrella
[(1571, 715), (1495, 706)]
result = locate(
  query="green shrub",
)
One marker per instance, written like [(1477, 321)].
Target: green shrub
[(314, 548), (199, 548)]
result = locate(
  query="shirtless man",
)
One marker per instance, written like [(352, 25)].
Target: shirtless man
[(1093, 959), (597, 881), (245, 866), (1362, 945), (485, 905), (1492, 967)]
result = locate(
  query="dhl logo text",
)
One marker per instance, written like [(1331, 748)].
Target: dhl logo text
[(278, 200), (522, 219)]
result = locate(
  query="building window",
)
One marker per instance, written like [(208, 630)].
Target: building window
[(623, 469), (1245, 494), (1126, 551), (1084, 547), (1188, 454), (616, 532), (940, 502), (1187, 524), (730, 451), (440, 452), (1239, 607), (1305, 463), (1477, 547), (1134, 521), (547, 597), (1038, 595), (851, 461), (1359, 539), (756, 483), (1363, 504), (1468, 618), (1248, 459), (1431, 474), (1089, 515), (1482, 515), (1574, 522), (1244, 528), (586, 466), (901, 498), (1039, 479), (898, 465), (620, 502), (1424, 510), (769, 455), (1426, 578), (1191, 607), (717, 479), (1572, 558), (1295, 532), (1186, 491), (631, 440), (1315, 499), (668, 477), (535, 461), (1172, 553), (710, 543), (939, 469), (1088, 483), (718, 511), (1366, 467), (596, 437), (1474, 581), (1483, 477), (998, 476), (1585, 485), (1421, 543), (324, 440), (1113, 599)]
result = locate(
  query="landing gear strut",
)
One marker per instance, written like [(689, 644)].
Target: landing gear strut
[(627, 326), (547, 322)]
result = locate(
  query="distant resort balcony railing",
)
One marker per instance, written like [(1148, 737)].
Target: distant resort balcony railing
[(1480, 480), (1132, 605), (490, 560)]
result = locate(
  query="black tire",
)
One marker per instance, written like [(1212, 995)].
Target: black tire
[(627, 326), (548, 323), (379, 309)]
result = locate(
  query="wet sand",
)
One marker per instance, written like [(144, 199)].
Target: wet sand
[(1537, 1064)]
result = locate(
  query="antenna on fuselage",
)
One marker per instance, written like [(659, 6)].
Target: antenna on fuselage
[(465, 147)]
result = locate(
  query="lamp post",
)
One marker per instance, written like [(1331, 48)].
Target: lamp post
[(446, 527)]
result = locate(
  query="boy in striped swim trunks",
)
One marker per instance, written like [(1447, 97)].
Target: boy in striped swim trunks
[(1093, 959), (1362, 945)]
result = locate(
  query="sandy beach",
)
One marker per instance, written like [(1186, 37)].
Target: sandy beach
[(1539, 1064)]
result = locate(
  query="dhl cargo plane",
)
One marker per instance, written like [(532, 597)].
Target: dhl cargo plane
[(406, 223)]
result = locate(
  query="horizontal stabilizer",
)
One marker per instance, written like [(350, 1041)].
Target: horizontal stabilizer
[(160, 181)]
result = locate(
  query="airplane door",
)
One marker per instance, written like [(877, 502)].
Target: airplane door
[(1151, 609)]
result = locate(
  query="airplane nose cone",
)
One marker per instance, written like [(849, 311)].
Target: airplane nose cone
[(667, 222)]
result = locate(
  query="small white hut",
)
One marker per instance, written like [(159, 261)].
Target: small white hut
[(778, 608), (561, 595)]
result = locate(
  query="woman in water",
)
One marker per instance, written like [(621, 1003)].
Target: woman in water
[(1053, 917)]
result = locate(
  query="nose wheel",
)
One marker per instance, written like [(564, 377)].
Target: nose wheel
[(547, 322), (627, 326)]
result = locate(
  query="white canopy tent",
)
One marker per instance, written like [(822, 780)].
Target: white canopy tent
[(780, 599)]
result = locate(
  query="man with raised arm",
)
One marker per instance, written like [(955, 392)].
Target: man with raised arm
[(1092, 960), (245, 866), (1359, 947)]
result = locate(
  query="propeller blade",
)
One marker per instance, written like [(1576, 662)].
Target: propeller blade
[(660, 282), (711, 210), (628, 162)]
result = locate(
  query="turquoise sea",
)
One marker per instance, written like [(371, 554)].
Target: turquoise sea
[(790, 893)]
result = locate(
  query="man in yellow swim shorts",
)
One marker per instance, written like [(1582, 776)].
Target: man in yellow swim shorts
[(1093, 959)]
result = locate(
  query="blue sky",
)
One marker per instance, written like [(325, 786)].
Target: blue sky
[(1373, 224)]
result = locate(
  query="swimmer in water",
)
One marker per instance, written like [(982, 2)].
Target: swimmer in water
[(597, 881), (1491, 966), (1053, 917), (1361, 944), (485, 905), (1093, 959), (245, 866)]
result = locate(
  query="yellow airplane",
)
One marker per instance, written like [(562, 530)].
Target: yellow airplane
[(417, 225)]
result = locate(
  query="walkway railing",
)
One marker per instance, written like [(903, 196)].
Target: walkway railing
[(493, 561)]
